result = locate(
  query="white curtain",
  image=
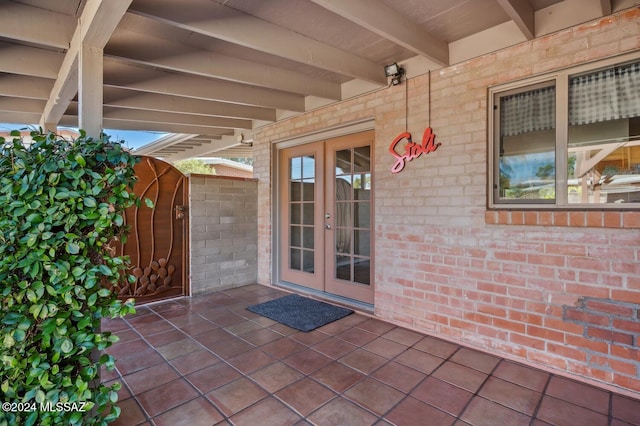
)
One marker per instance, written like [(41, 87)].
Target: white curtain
[(605, 95), (528, 111)]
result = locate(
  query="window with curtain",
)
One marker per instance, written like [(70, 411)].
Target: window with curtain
[(579, 145)]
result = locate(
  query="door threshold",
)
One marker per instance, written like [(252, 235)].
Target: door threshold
[(329, 297)]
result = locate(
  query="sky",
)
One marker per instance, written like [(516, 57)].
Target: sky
[(132, 139)]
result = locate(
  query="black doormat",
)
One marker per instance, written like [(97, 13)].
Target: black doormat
[(299, 312)]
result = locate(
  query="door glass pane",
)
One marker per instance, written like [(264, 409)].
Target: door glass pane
[(352, 215), (295, 236), (362, 214), (295, 169), (308, 189), (308, 210), (362, 159), (343, 268), (294, 259), (295, 190), (361, 270), (308, 167), (301, 213), (308, 237), (362, 243), (343, 162), (307, 260), (295, 213)]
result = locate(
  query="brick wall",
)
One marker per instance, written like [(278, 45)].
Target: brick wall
[(505, 282), (223, 239)]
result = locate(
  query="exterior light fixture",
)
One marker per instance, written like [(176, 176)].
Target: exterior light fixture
[(245, 141), (394, 71)]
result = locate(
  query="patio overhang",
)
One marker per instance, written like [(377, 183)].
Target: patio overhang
[(210, 72)]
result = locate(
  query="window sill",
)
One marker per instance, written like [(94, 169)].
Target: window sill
[(579, 219)]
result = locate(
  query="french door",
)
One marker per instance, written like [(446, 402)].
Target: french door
[(326, 211)]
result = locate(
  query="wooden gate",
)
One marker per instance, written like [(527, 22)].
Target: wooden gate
[(157, 241)]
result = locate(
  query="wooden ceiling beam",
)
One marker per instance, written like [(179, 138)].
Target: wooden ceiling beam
[(96, 24), (173, 118), (521, 12), (225, 23), (123, 98), (159, 53), (381, 19), (34, 25), (127, 76), (607, 8), (21, 86)]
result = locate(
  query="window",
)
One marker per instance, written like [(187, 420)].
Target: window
[(568, 139)]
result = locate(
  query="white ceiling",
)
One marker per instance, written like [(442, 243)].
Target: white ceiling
[(207, 71)]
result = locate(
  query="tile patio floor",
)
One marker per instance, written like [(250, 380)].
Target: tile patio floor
[(208, 361)]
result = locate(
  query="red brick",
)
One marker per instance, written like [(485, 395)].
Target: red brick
[(627, 382), (584, 343), (567, 352), (530, 218), (626, 296), (550, 361), (491, 217), (509, 325), (463, 325), (561, 218), (586, 318), (577, 219), (612, 219), (510, 256), (627, 325), (631, 220), (503, 217), (625, 352), (517, 218), (525, 317), (609, 307), (541, 259), (610, 335), (493, 333), (520, 339), (566, 249), (619, 367), (545, 218), (590, 372), (492, 310), (588, 263), (588, 291), (545, 333), (594, 219)]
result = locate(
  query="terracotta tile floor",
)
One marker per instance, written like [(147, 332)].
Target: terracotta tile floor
[(208, 361)]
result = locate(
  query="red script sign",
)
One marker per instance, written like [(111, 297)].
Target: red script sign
[(412, 150)]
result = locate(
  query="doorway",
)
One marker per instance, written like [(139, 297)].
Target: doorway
[(326, 214)]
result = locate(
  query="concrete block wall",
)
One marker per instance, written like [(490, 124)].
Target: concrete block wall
[(502, 281), (223, 233)]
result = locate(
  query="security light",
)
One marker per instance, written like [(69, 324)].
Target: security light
[(391, 70), (395, 72)]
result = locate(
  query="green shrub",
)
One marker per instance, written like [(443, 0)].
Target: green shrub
[(61, 205)]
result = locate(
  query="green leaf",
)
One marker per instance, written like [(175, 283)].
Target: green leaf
[(19, 335), (72, 248), (105, 270), (149, 203), (80, 160), (67, 346), (90, 202)]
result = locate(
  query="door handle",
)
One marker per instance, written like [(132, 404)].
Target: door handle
[(179, 212)]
